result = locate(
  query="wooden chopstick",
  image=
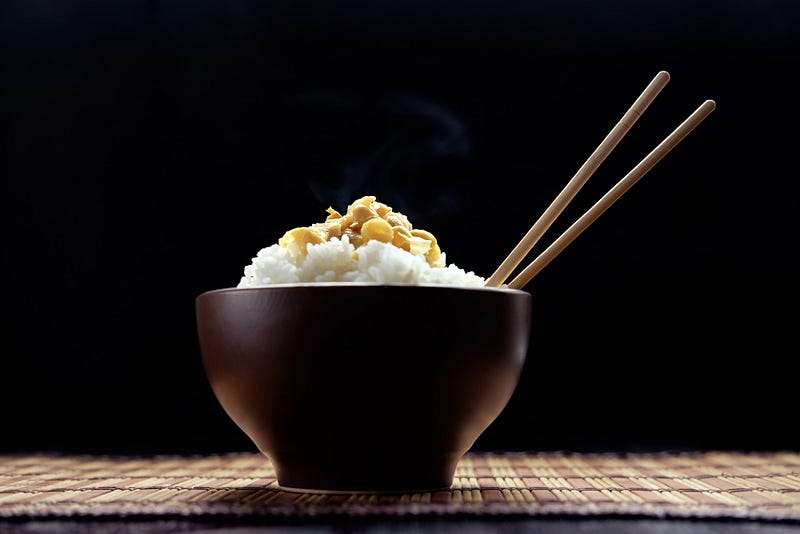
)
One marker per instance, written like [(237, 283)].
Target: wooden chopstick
[(602, 151), (613, 195)]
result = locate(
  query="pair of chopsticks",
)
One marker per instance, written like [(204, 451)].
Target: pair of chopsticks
[(584, 173)]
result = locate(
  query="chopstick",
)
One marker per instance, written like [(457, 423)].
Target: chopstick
[(613, 195), (602, 151)]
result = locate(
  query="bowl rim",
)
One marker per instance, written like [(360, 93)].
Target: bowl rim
[(397, 285)]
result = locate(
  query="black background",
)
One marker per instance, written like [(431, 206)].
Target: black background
[(151, 148)]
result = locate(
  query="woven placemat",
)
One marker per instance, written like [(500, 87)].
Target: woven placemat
[(761, 486)]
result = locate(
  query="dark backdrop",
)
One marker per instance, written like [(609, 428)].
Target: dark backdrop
[(151, 148)]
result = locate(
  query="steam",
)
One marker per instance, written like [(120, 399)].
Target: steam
[(403, 155)]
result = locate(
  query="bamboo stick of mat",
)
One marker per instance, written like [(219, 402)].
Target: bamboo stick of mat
[(602, 151), (613, 195)]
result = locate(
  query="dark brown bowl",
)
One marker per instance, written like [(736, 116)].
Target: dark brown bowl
[(351, 388)]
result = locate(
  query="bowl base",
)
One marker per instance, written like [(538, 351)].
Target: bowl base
[(316, 491), (366, 474)]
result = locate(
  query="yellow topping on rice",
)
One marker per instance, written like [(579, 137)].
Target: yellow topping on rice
[(366, 220)]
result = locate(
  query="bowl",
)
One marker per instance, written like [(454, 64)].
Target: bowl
[(363, 387)]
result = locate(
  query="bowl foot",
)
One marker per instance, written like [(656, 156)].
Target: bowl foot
[(316, 491), (367, 475)]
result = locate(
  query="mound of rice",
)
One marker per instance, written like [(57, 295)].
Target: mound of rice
[(338, 261)]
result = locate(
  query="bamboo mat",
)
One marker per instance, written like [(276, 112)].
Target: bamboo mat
[(758, 486)]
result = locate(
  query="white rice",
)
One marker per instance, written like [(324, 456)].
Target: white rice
[(338, 261)]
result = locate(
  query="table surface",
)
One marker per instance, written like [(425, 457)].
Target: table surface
[(562, 525), (691, 492)]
